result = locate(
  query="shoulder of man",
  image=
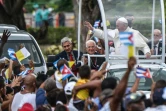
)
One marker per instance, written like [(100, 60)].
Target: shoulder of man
[(76, 52)]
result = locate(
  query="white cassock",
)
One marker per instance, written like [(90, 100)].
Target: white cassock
[(139, 39)]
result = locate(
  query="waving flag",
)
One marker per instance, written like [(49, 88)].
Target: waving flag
[(12, 54), (126, 38), (25, 72), (55, 63), (96, 39), (7, 75), (22, 54), (96, 24), (143, 72), (66, 72)]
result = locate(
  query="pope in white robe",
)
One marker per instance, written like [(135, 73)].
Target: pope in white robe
[(122, 26)]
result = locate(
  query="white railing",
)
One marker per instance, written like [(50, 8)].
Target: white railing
[(120, 59)]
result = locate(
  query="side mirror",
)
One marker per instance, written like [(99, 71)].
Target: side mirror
[(50, 60)]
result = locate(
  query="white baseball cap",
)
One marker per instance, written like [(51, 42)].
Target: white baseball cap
[(69, 87)]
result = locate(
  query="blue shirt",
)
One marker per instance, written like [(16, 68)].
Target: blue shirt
[(40, 97), (45, 14), (38, 15)]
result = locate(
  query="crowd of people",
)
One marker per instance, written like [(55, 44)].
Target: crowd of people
[(86, 88), (45, 14)]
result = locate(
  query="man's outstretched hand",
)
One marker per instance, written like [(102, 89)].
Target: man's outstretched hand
[(131, 63), (5, 36), (88, 25)]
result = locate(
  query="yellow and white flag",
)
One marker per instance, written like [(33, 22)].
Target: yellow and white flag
[(22, 54), (7, 73)]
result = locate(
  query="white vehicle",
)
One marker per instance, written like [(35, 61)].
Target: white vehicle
[(153, 14), (11, 28), (24, 38)]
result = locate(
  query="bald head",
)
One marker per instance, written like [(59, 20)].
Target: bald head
[(121, 24), (29, 80), (157, 35), (157, 31)]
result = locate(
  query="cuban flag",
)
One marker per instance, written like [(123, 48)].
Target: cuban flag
[(66, 72), (96, 24), (143, 72), (96, 39), (55, 63), (12, 54), (126, 38), (25, 72)]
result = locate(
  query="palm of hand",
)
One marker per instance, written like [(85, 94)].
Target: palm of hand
[(5, 36)]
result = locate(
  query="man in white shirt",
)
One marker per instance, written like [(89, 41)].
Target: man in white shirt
[(122, 26)]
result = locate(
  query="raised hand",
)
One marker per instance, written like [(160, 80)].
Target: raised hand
[(88, 25), (15, 82), (148, 55), (131, 63), (5, 36)]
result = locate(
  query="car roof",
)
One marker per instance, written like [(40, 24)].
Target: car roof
[(21, 35), (11, 28)]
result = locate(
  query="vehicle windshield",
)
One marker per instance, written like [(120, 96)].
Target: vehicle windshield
[(138, 12), (30, 46), (145, 83)]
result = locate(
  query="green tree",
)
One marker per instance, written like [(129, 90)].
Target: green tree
[(90, 12), (11, 12), (64, 5)]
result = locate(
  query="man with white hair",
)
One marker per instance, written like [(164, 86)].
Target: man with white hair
[(157, 48), (69, 54), (122, 26), (96, 62)]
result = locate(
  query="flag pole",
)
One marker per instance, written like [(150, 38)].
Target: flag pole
[(152, 80), (72, 73), (151, 77), (19, 62)]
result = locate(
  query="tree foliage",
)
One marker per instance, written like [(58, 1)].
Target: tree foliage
[(64, 5), (57, 5), (11, 12), (90, 12)]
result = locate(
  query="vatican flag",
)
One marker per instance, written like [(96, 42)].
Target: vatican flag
[(22, 54)]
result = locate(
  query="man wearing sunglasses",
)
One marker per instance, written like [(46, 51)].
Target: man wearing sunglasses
[(135, 102)]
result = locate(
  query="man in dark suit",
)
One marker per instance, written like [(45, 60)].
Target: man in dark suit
[(96, 62), (157, 48), (69, 54)]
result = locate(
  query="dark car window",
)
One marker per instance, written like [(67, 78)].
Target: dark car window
[(30, 46)]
